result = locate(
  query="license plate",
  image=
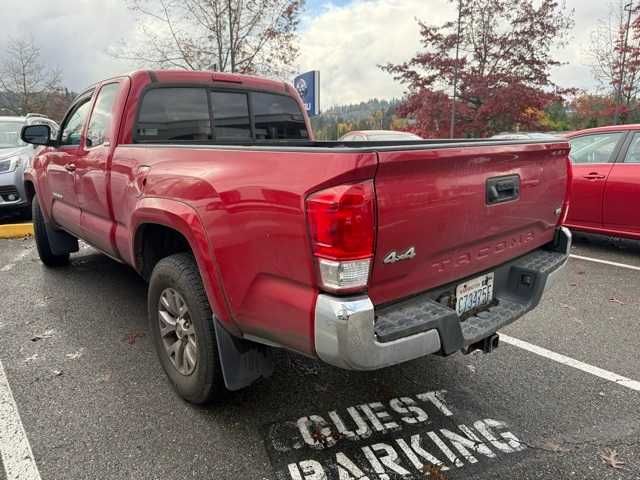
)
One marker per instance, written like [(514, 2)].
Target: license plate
[(474, 293)]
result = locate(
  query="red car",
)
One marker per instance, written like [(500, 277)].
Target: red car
[(605, 194), (254, 236)]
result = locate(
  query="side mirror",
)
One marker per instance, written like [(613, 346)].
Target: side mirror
[(36, 134)]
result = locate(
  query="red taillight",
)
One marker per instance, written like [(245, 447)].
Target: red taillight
[(342, 227)]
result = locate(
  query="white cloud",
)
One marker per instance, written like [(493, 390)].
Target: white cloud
[(346, 43), (72, 34)]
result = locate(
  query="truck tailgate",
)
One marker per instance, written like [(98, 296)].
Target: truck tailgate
[(436, 201)]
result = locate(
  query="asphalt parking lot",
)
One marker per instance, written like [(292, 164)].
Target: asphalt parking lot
[(94, 402)]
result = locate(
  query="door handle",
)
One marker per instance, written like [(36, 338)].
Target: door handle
[(593, 176), (502, 189), (70, 167)]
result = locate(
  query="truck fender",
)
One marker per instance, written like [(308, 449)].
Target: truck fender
[(185, 220)]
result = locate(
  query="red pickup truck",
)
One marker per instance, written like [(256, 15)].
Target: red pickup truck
[(253, 236)]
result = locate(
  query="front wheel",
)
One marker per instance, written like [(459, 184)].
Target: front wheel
[(182, 329), (42, 239)]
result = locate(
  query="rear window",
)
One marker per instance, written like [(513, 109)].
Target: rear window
[(178, 114), (278, 117), (231, 115)]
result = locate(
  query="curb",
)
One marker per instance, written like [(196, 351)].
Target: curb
[(16, 230)]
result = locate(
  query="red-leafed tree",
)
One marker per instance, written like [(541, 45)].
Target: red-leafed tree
[(502, 70)]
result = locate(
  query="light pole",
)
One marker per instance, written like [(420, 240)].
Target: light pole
[(627, 8), (452, 128)]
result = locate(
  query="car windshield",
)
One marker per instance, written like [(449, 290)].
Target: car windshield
[(10, 134)]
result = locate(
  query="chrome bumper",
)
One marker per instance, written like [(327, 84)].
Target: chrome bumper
[(345, 334)]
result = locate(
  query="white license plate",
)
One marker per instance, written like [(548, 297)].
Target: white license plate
[(474, 293)]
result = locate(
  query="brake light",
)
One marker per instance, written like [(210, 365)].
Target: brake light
[(342, 228)]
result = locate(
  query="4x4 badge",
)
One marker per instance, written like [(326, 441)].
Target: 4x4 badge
[(393, 256)]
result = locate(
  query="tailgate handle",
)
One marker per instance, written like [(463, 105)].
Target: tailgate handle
[(503, 189)]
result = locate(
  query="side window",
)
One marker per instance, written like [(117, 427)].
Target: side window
[(597, 148), (278, 117), (72, 128), (230, 115), (178, 114), (99, 127), (633, 154)]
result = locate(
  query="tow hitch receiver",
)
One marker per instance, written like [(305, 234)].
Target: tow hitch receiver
[(487, 345)]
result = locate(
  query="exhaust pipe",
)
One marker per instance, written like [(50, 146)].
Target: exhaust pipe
[(487, 345)]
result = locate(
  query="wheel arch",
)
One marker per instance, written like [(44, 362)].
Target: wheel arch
[(162, 227)]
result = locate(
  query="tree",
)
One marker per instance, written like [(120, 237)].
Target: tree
[(245, 36), (503, 69), (26, 85), (615, 54)]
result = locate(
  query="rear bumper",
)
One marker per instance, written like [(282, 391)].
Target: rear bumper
[(351, 333)]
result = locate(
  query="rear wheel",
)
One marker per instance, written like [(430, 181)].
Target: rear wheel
[(182, 328), (42, 239)]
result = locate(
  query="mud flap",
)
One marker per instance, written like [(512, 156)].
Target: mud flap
[(60, 242), (243, 362)]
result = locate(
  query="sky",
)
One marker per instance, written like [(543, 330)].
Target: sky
[(344, 39)]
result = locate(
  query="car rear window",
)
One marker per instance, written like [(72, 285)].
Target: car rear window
[(174, 114), (183, 114)]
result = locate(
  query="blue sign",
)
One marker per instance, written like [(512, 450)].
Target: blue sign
[(308, 86)]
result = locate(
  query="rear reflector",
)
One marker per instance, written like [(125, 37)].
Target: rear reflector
[(342, 227)]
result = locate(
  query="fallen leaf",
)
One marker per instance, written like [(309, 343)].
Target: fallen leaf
[(132, 337), (564, 305), (31, 358), (554, 447), (433, 472), (43, 336), (610, 457), (75, 355)]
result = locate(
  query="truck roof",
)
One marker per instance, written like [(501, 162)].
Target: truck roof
[(229, 79)]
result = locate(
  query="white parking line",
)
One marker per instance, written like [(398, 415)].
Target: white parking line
[(585, 367), (15, 450), (606, 262)]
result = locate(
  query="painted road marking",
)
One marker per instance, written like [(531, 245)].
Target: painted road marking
[(401, 437), (605, 262), (585, 367), (15, 450)]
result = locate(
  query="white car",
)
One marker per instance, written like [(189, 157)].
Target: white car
[(15, 156), (377, 136)]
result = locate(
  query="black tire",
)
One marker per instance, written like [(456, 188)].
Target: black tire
[(179, 272), (42, 239)]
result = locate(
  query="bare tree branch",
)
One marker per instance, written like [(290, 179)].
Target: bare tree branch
[(247, 36)]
